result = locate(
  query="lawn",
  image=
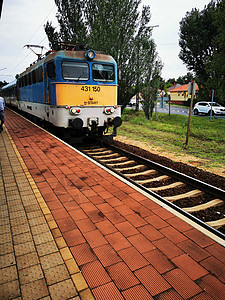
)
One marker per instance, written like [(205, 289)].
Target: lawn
[(168, 133)]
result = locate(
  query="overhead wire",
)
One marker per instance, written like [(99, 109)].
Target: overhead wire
[(41, 24), (28, 42)]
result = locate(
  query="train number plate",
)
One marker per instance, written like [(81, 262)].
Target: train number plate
[(96, 89)]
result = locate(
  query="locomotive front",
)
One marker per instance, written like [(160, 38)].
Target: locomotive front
[(83, 85)]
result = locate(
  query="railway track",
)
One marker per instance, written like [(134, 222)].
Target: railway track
[(197, 200)]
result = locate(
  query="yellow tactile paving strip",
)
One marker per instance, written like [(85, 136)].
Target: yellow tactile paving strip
[(35, 262)]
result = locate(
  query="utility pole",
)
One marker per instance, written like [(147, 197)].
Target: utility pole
[(212, 94), (169, 105), (191, 91)]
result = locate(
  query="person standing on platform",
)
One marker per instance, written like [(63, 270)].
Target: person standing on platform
[(2, 115)]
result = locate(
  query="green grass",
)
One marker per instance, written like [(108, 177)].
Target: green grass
[(206, 139)]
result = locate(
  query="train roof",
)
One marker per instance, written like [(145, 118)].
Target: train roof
[(11, 84), (68, 54)]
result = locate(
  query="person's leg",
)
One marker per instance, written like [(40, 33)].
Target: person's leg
[(2, 119)]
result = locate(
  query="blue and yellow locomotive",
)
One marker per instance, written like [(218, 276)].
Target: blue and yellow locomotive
[(73, 89)]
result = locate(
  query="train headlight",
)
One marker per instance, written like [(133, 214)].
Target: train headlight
[(90, 54), (108, 110), (74, 111)]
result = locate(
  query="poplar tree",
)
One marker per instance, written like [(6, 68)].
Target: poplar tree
[(72, 27)]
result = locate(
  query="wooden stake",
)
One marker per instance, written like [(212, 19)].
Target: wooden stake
[(190, 111)]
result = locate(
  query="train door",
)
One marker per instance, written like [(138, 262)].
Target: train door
[(49, 88)]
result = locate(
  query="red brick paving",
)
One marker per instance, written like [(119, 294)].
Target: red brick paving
[(122, 276), (133, 258), (217, 251), (159, 261), (156, 222), (106, 227), (212, 286), (182, 283), (215, 267), (152, 280), (168, 248), (141, 243), (118, 241), (137, 292), (189, 266), (127, 246), (107, 291), (83, 254), (199, 238), (193, 249), (169, 295), (95, 274), (107, 255), (126, 229), (95, 238)]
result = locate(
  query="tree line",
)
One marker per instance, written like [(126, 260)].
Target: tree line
[(120, 28), (202, 42)]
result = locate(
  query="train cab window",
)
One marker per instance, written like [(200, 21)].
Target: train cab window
[(102, 72), (75, 71), (51, 70)]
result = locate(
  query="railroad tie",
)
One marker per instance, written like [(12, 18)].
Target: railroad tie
[(94, 150), (193, 193), (114, 159), (166, 187), (216, 224), (121, 164), (204, 206), (144, 173), (160, 178), (104, 156), (102, 152), (129, 168)]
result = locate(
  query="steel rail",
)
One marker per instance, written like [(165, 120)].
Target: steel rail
[(217, 192), (175, 174)]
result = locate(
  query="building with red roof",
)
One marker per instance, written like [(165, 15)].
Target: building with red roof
[(179, 94)]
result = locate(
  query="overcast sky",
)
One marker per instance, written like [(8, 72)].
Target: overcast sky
[(22, 23)]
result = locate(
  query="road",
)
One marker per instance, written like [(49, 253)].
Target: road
[(177, 110)]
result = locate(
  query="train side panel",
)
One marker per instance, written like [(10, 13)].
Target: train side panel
[(9, 92)]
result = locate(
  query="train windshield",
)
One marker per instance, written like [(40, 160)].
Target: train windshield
[(102, 72), (75, 71)]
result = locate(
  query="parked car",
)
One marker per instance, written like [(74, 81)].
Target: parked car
[(205, 108)]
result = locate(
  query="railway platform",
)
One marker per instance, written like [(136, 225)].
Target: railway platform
[(70, 229)]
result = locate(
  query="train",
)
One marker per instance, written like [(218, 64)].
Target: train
[(73, 89)]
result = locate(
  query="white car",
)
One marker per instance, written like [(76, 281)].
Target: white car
[(205, 108)]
